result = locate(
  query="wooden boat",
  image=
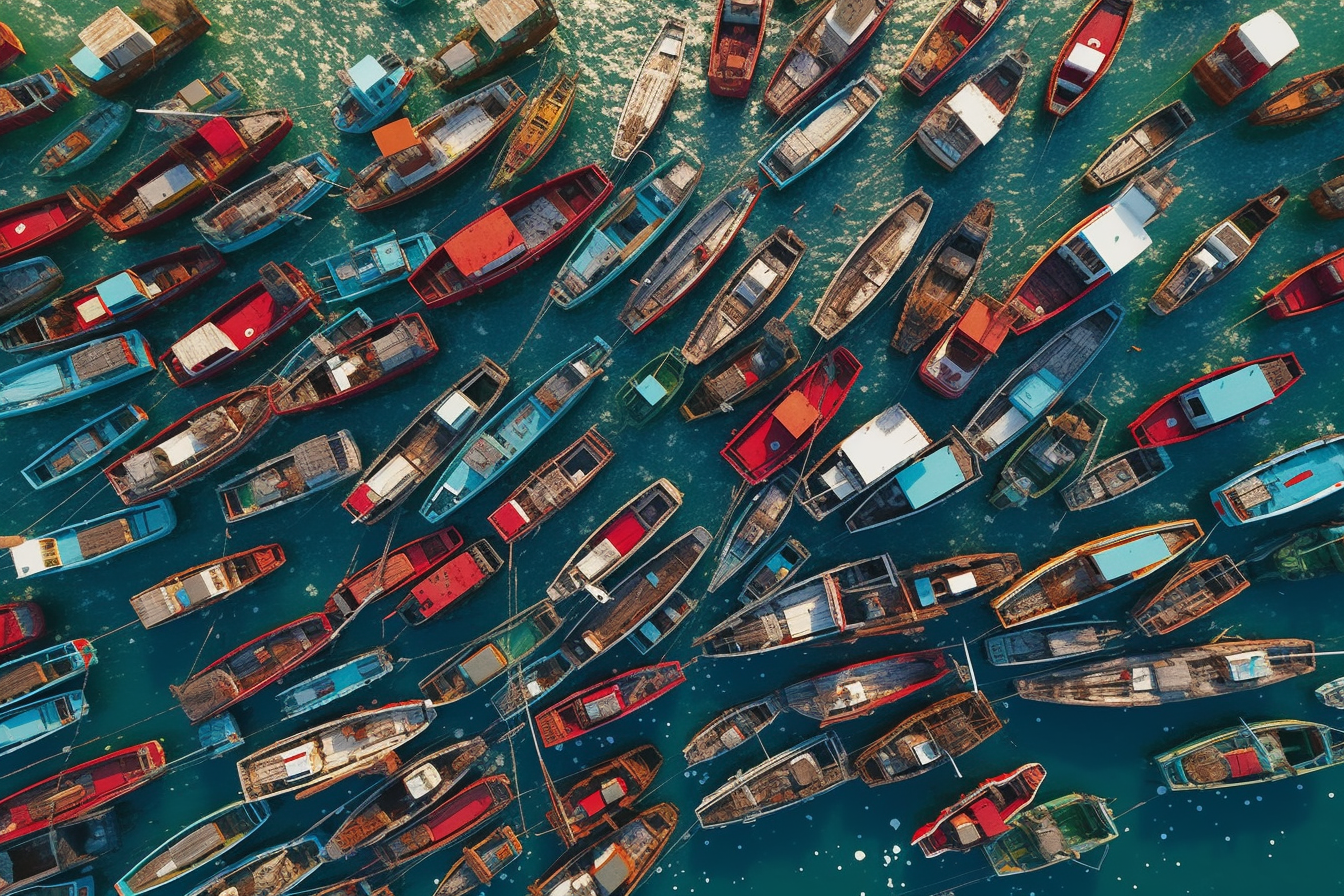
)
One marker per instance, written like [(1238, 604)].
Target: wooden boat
[(205, 584), (981, 815), (308, 468), (786, 779), (503, 30), (455, 818), (966, 347), (25, 677), (732, 728), (1032, 390), (221, 92), (537, 679), (744, 373), (651, 92), (1328, 198), (1215, 399), (414, 158), (11, 48), (1251, 753), (1091, 570), (258, 209), (786, 426), (860, 460), (194, 847), (92, 541), (494, 653), (33, 98), (275, 870), (828, 41), (780, 567), (374, 88), (498, 443), (510, 238), (653, 387), (1332, 693), (613, 699), (934, 736), (31, 225), (551, 486), (65, 847), (1195, 590), (1316, 286), (1301, 98), (952, 581), (453, 581), (756, 524), (670, 612), (956, 28), (21, 623), (312, 351), (940, 471), (84, 142), (538, 129), (603, 790), (1048, 643), (943, 280), (617, 862), (1089, 49), (80, 886), (686, 260), (369, 267), (872, 264), (973, 115), (1284, 483), (1115, 477), (119, 48), (193, 446), (1061, 830), (214, 155), (1298, 556), (481, 863), (818, 133), (32, 721), (1139, 145), (735, 46), (26, 283), (622, 233), (1046, 457), (1249, 51), (112, 301), (860, 689), (85, 446)]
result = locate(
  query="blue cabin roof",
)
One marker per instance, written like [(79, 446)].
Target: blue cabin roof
[(929, 479), (1035, 394), (366, 74), (1236, 393), (1123, 560)]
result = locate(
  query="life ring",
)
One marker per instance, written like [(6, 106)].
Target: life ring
[(1094, 43)]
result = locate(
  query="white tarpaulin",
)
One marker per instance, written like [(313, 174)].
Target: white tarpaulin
[(980, 116), (1269, 38), (884, 443)]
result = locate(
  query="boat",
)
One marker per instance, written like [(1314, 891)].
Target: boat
[(245, 670), (451, 582), (615, 541), (374, 88), (1301, 98), (185, 175), (690, 255), (496, 444), (749, 291), (85, 446), (205, 584), (270, 872), (258, 209), (828, 41), (982, 814), (653, 387), (735, 46), (83, 143), (780, 566), (25, 283), (966, 347), (481, 863), (414, 158), (64, 847), (1316, 286), (28, 226), (1215, 399), (455, 818), (1094, 569), (312, 351), (426, 442), (11, 48), (943, 469), (92, 541), (818, 133), (63, 376), (538, 129), (615, 863), (592, 801), (669, 613), (503, 30), (956, 28), (117, 49), (1298, 556), (860, 689), (755, 525), (786, 779), (491, 655), (974, 114), (1174, 675), (1115, 477), (537, 679), (1249, 51), (786, 426), (32, 721), (194, 847), (943, 280), (242, 325), (551, 486), (332, 750), (369, 267), (193, 446), (860, 460), (1251, 753), (732, 728), (111, 301), (932, 737), (1089, 49), (613, 699), (1046, 457), (651, 92), (744, 373), (1033, 389), (199, 98), (21, 623), (33, 98), (1328, 198), (1195, 590), (311, 466), (625, 231), (510, 238), (25, 677), (1283, 483), (1332, 693), (1139, 146), (1061, 830), (1049, 643)]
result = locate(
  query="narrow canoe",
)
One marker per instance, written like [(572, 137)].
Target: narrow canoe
[(956, 29), (828, 41), (81, 144), (1301, 98), (538, 129), (1138, 146), (206, 839), (85, 446), (205, 584), (651, 92), (1089, 49), (943, 280), (93, 541)]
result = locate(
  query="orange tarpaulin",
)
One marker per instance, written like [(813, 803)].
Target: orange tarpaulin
[(796, 414), (485, 240), (395, 136)]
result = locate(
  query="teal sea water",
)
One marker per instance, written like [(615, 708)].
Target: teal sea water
[(287, 53)]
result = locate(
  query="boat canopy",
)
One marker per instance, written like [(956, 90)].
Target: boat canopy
[(1268, 37), (1249, 666), (1124, 560), (1117, 234), (34, 555), (396, 136), (219, 135), (931, 478), (455, 410), (1035, 394), (883, 442), (1234, 394), (366, 74), (486, 244), (500, 18), (796, 414), (981, 117)]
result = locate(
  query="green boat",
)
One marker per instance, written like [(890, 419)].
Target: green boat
[(1302, 555), (1056, 447), (1252, 754), (1058, 831), (650, 391), (80, 145)]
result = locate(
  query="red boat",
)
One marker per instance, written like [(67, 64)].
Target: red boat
[(787, 425), (510, 238), (859, 689), (1250, 51), (188, 173), (454, 818), (955, 31), (975, 338), (613, 699), (241, 325), (1215, 399), (20, 625), (1316, 286), (1088, 52), (601, 792), (450, 583), (402, 566), (735, 48), (11, 48), (27, 227), (77, 791), (828, 41), (982, 814), (31, 99)]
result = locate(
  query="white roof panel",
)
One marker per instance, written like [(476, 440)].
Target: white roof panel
[(1269, 38), (981, 116), (884, 443), (1115, 238)]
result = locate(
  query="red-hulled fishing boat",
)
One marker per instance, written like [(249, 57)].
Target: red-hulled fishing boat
[(31, 99), (450, 583), (954, 32), (456, 817), (787, 425), (510, 238), (982, 814), (735, 48), (966, 347), (613, 699), (861, 688), (1215, 399), (20, 625), (27, 227), (829, 39), (1250, 51), (602, 791), (401, 567), (1316, 286), (1088, 52), (11, 48)]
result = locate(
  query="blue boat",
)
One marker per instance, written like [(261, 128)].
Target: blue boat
[(81, 144), (225, 828), (371, 266), (72, 373), (374, 89), (322, 340), (34, 721), (93, 541), (537, 679), (505, 437), (85, 446), (24, 678), (25, 283), (937, 473), (80, 886), (335, 683), (621, 235), (256, 210), (256, 873), (820, 131), (200, 98), (1283, 483)]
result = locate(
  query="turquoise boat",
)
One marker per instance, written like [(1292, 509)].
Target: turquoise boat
[(505, 437), (820, 131), (322, 340), (374, 89), (371, 266), (34, 721), (63, 376), (220, 831), (621, 235), (82, 886), (93, 541), (1252, 753), (1283, 483), (85, 446), (26, 677), (256, 210), (199, 98), (25, 283), (81, 144), (334, 684)]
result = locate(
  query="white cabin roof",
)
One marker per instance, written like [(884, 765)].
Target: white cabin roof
[(1117, 234), (498, 18), (884, 443), (982, 117), (366, 73), (1268, 37)]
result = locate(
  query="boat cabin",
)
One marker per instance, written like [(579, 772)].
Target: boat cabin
[(116, 294), (111, 42), (502, 22), (930, 478), (1227, 397), (1249, 666), (1078, 70), (371, 85), (843, 25), (599, 707), (872, 451), (408, 156), (1248, 53), (610, 792), (1131, 559), (977, 113), (1113, 239)]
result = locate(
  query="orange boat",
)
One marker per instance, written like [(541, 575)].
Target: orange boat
[(735, 48)]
